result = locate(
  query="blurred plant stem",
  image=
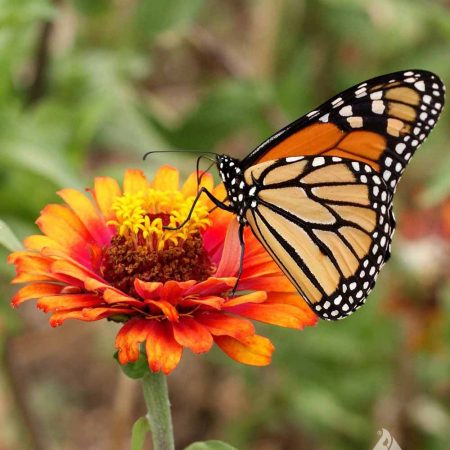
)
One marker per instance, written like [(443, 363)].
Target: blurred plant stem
[(38, 82), (30, 435), (158, 406)]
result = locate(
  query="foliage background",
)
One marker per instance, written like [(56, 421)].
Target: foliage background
[(86, 87)]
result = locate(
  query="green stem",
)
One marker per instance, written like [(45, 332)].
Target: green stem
[(158, 406)]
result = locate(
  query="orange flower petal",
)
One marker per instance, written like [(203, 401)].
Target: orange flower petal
[(189, 333), (166, 308), (166, 179), (113, 296), (86, 314), (65, 267), (190, 187), (224, 325), (60, 224), (254, 350), (88, 215), (211, 301), (220, 193), (171, 291), (38, 242), (59, 317), (282, 315), (212, 286), (30, 267), (163, 351), (276, 283), (253, 297), (65, 302), (128, 339), (35, 290), (288, 298), (105, 190), (134, 181)]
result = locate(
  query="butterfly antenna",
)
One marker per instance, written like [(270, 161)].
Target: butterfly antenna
[(146, 155)]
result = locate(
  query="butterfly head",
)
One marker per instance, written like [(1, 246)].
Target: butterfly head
[(232, 175)]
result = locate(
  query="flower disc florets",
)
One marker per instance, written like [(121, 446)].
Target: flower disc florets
[(150, 244)]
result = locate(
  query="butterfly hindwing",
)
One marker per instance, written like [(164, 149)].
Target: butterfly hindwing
[(327, 222), (380, 122)]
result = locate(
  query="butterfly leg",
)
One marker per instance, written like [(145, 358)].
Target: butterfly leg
[(241, 257), (215, 200)]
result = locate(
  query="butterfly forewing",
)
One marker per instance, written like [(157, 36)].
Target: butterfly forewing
[(327, 222), (380, 122)]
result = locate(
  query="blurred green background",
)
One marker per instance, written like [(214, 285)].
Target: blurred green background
[(86, 87)]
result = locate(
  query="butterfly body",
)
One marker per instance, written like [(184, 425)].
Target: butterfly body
[(318, 194)]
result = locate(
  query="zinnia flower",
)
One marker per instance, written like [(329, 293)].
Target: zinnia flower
[(110, 256)]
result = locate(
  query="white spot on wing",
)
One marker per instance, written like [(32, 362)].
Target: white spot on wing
[(346, 111), (378, 107), (376, 95), (420, 85), (355, 121)]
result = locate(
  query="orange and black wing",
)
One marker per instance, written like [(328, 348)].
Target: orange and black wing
[(327, 222), (380, 122)]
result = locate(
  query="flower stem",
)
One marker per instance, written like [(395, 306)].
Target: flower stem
[(158, 406)]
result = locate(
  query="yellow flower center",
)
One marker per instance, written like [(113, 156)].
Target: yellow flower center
[(144, 248), (145, 215)]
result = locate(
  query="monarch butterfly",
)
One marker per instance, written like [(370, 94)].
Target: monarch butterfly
[(318, 193)]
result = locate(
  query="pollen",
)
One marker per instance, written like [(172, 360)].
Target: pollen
[(155, 241), (154, 218)]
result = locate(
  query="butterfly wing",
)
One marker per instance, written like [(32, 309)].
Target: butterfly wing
[(327, 222), (380, 122)]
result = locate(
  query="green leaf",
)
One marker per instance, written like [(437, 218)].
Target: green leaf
[(134, 370), (210, 445), (154, 17), (8, 239), (140, 428)]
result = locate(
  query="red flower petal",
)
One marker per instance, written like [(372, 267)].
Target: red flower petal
[(189, 333), (229, 263), (255, 350), (148, 289), (163, 351), (128, 339)]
